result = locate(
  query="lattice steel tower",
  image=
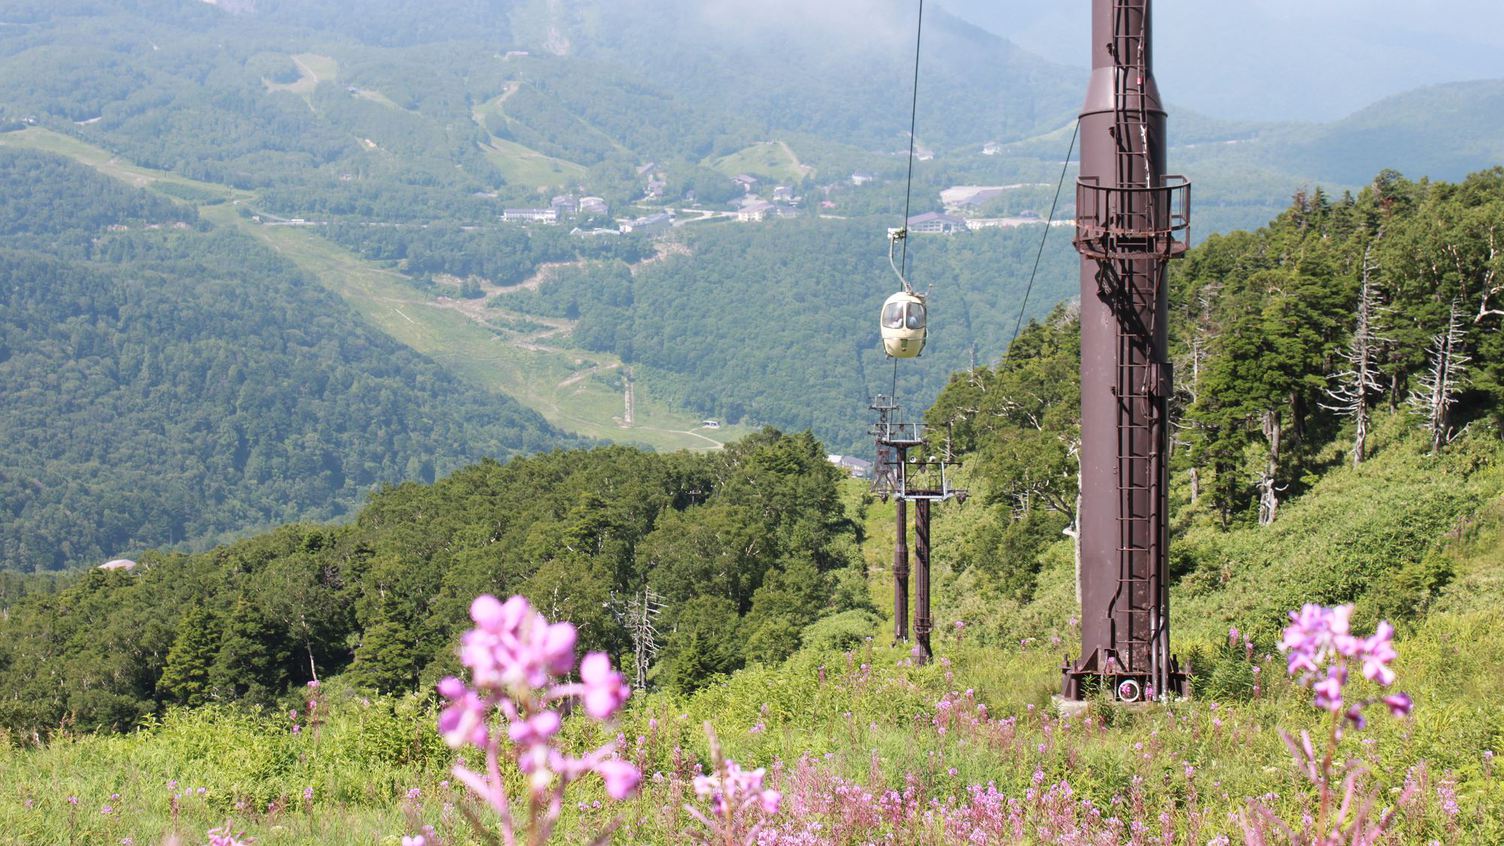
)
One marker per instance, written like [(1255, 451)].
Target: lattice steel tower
[(1131, 219)]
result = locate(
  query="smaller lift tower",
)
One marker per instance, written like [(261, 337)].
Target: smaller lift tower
[(908, 470)]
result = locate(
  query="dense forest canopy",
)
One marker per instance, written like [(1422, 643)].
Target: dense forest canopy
[(166, 382), (742, 551)]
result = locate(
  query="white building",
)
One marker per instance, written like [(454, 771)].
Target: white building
[(530, 215), (755, 212)]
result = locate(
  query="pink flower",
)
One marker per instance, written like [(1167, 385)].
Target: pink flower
[(518, 663), (1378, 651), (605, 689), (558, 647), (620, 776), (1355, 716), (513, 647), (415, 840), (1329, 691), (464, 721), (488, 612), (1400, 704), (313, 684), (536, 729), (226, 837), (727, 791), (770, 800)]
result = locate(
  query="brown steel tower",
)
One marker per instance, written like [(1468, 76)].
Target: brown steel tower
[(1131, 219)]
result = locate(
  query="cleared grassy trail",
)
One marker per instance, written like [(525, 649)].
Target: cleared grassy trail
[(524, 367)]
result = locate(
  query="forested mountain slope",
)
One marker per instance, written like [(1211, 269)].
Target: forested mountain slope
[(742, 549), (408, 134), (167, 382)]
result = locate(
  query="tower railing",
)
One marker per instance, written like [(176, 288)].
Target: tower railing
[(1118, 223)]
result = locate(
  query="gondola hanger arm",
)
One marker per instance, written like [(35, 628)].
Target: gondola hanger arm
[(896, 237)]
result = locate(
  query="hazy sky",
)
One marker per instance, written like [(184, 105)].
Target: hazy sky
[(1278, 59)]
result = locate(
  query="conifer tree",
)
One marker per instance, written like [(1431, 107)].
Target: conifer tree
[(185, 676), (386, 659), (253, 659)]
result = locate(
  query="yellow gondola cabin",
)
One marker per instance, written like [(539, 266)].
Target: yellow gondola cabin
[(903, 325)]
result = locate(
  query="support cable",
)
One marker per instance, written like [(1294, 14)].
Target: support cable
[(1048, 225), (908, 191)]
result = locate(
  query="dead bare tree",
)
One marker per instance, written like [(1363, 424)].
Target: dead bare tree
[(1492, 281), (1269, 489), (1360, 380), (637, 616), (1445, 375), (1189, 391)]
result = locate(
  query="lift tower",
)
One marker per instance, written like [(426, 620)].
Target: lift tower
[(1131, 219), (907, 470)]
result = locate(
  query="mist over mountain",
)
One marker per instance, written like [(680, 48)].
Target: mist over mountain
[(1278, 60)]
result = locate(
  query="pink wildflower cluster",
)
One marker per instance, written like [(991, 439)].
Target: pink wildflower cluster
[(226, 836), (735, 789), (519, 666), (825, 809), (1321, 648), (739, 804)]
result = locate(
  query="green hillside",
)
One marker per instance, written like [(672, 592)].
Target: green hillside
[(263, 330), (845, 720), (297, 112), (1442, 131), (1277, 500), (168, 381)]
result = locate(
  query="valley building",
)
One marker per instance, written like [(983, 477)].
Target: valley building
[(550, 215), (858, 468), (934, 223), (653, 224), (754, 212)]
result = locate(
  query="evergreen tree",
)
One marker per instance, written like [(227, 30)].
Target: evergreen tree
[(185, 676), (253, 661), (703, 644), (386, 659)]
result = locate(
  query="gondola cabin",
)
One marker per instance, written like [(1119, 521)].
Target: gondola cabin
[(903, 325)]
